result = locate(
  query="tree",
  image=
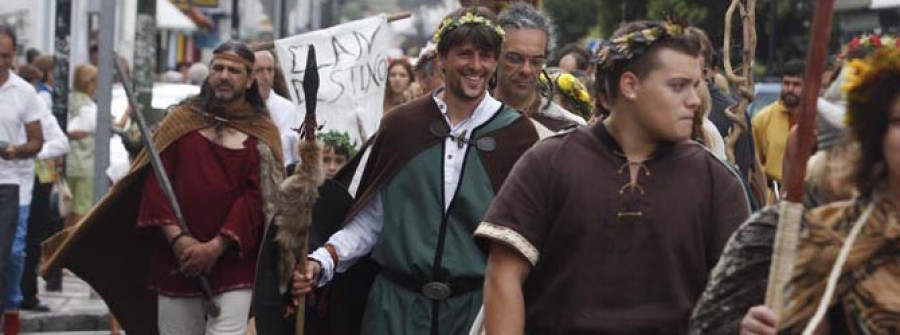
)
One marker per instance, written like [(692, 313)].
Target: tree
[(572, 18)]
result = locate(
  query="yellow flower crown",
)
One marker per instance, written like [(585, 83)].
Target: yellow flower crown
[(864, 73), (573, 89), (450, 24)]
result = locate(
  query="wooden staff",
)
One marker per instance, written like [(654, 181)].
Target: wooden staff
[(269, 45), (743, 83), (787, 237)]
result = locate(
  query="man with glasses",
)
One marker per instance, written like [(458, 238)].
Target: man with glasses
[(522, 58)]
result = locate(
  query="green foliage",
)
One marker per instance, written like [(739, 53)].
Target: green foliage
[(573, 18), (789, 39), (689, 10), (338, 140)]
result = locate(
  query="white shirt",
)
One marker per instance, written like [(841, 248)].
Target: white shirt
[(85, 121), (286, 117), (358, 238), (717, 145), (20, 106), (56, 144)]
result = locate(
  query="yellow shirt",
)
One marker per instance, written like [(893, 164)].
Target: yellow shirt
[(770, 131)]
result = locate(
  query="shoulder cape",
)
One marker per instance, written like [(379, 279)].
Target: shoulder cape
[(107, 250), (403, 133)]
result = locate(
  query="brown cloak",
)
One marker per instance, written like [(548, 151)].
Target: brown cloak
[(403, 134), (107, 250)]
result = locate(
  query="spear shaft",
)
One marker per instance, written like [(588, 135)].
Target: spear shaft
[(787, 236)]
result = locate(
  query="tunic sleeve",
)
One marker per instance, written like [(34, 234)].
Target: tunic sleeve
[(521, 213), (729, 210), (243, 224), (155, 210)]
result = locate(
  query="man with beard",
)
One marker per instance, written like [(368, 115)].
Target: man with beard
[(613, 228), (773, 123), (222, 154), (528, 41), (283, 112), (434, 165)]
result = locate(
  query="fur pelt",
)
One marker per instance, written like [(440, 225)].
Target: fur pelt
[(296, 197)]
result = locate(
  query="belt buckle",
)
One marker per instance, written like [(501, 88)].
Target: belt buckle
[(436, 291)]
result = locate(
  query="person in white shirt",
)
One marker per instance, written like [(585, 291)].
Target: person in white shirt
[(34, 192), (21, 110), (282, 111), (434, 165)]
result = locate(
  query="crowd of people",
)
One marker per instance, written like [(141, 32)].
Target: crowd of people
[(512, 187)]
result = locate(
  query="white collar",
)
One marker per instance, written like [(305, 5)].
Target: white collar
[(486, 109)]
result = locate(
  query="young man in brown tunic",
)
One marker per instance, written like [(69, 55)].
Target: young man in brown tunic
[(613, 228)]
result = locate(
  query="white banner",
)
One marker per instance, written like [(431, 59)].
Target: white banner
[(352, 63)]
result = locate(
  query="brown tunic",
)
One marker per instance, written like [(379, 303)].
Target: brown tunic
[(610, 257)]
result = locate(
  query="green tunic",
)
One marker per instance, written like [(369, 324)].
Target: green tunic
[(421, 243)]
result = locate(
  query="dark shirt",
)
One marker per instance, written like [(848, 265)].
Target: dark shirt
[(610, 257), (744, 152), (219, 193)]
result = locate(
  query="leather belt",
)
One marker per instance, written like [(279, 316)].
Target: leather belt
[(436, 290)]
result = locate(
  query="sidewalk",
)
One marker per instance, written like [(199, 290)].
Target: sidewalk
[(73, 309)]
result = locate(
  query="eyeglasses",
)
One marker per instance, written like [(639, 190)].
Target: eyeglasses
[(516, 59)]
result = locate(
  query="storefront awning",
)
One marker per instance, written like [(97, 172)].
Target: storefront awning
[(882, 4), (170, 17)]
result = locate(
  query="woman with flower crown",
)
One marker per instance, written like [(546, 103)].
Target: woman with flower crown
[(847, 275)]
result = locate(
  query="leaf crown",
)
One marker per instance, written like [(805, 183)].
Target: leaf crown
[(449, 24)]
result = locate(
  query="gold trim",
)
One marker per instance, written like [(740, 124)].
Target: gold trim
[(510, 237)]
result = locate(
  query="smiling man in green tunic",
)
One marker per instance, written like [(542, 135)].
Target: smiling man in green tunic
[(434, 166)]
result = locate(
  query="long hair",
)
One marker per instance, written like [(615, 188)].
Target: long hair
[(402, 62), (870, 126), (251, 95)]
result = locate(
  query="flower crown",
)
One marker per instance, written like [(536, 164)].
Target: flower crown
[(863, 74), (449, 24), (635, 43), (573, 89), (868, 42), (338, 140)]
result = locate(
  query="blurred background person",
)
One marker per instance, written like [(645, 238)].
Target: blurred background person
[(81, 128), (428, 71), (400, 78), (45, 63)]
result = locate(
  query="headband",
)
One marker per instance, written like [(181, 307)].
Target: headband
[(233, 58), (625, 47)]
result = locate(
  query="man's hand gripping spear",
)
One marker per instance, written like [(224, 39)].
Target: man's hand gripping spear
[(297, 195)]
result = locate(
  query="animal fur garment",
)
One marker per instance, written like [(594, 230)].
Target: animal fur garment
[(297, 196)]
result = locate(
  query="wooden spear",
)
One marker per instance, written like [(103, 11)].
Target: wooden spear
[(298, 193), (786, 238)]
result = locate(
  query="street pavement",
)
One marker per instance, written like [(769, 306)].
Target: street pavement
[(74, 311)]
